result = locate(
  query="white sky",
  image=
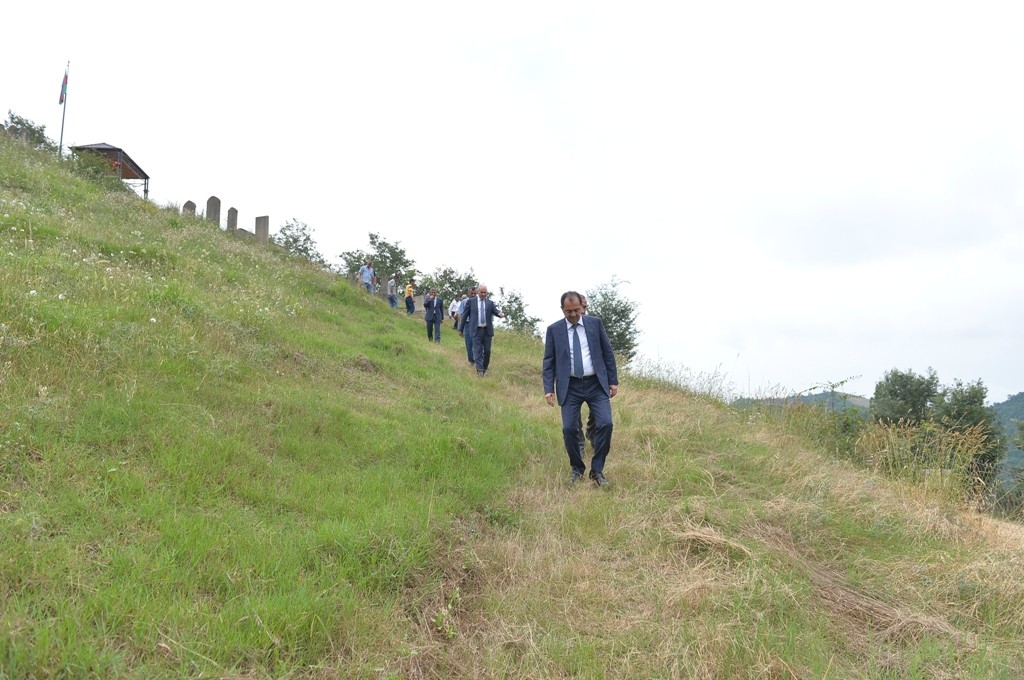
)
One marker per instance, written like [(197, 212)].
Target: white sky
[(795, 193)]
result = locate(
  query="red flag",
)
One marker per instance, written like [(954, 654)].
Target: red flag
[(64, 88)]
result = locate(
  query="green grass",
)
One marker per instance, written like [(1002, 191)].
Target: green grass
[(218, 461)]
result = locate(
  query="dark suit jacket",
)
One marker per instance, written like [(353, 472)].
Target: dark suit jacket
[(469, 320), (557, 364), (433, 310)]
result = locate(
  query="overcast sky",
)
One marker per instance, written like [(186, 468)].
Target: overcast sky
[(794, 193)]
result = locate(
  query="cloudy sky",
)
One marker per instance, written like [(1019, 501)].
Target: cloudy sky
[(794, 193)]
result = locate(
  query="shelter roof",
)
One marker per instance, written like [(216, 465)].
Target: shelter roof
[(129, 168)]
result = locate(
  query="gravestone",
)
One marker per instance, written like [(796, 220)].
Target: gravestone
[(232, 219), (263, 229), (213, 210), (189, 208)]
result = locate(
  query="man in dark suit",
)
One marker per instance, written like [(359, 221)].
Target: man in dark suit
[(479, 320), (460, 316), (433, 313), (579, 366)]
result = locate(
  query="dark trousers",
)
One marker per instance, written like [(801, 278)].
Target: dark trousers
[(482, 348), (434, 331), (587, 391), (469, 335), (589, 431), (410, 305)]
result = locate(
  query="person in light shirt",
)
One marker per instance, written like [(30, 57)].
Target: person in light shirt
[(453, 311)]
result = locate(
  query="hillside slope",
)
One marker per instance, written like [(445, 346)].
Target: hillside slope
[(218, 461)]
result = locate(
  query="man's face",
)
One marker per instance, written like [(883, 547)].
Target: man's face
[(573, 309), (481, 292), (433, 293)]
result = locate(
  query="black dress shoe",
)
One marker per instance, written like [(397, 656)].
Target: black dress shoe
[(576, 477), (599, 478)]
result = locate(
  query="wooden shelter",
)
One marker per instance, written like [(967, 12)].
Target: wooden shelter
[(126, 169)]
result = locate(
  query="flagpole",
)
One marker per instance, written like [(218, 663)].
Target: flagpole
[(64, 111)]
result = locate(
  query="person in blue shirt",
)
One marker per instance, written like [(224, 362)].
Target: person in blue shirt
[(368, 276)]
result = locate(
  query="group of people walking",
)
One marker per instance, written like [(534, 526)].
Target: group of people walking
[(473, 317), (368, 279), (578, 366)]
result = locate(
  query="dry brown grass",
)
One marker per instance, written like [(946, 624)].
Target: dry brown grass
[(662, 583)]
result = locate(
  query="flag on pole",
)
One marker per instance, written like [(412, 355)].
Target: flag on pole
[(64, 87)]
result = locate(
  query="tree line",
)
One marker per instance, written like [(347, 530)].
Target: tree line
[(921, 401)]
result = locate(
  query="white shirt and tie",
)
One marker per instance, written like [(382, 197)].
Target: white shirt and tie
[(587, 363)]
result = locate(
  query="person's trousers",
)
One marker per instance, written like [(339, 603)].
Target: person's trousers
[(468, 334), (393, 301), (589, 391), (482, 348), (434, 331), (589, 431), (410, 305)]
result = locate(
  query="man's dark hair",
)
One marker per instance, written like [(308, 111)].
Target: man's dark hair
[(570, 294)]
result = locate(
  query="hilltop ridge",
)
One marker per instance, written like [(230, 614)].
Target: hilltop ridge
[(219, 460)]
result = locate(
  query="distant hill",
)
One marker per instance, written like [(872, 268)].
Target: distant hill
[(831, 400), (1008, 411)]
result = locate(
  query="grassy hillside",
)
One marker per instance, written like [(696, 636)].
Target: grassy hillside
[(216, 461)]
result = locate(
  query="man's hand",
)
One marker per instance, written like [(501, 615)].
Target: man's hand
[(613, 390), (550, 396)]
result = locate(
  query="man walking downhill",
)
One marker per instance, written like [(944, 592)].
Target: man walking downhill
[(433, 312), (479, 321), (368, 276), (463, 307), (393, 291), (578, 367)]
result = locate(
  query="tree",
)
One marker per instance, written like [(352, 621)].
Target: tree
[(388, 259), (516, 319), (294, 236), (905, 396), (448, 282), (961, 408), (619, 315), (34, 134)]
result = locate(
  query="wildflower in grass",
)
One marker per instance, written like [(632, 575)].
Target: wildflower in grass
[(152, 320), (32, 293)]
